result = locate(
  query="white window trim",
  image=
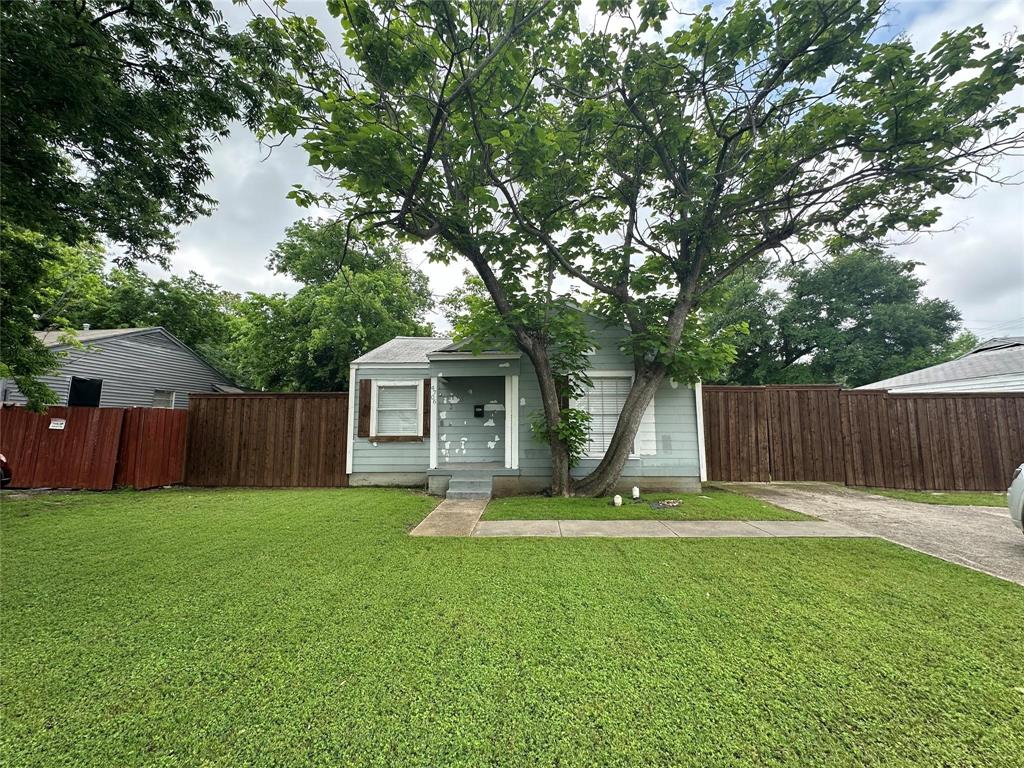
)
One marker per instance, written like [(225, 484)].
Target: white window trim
[(433, 422), (353, 387), (573, 403), (174, 399), (377, 384), (702, 459)]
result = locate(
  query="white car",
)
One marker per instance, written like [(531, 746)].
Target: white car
[(1015, 497)]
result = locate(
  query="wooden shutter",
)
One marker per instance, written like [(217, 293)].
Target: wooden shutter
[(365, 387), (426, 407)]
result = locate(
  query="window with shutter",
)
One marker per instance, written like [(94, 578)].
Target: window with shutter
[(603, 401), (397, 410)]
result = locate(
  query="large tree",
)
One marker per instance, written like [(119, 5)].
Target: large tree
[(108, 110), (353, 298), (854, 319), (643, 167)]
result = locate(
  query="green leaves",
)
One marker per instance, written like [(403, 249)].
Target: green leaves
[(856, 319), (356, 295), (572, 429), (105, 137)]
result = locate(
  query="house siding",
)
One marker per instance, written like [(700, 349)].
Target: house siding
[(675, 428), (1009, 382), (666, 443), (132, 368), (371, 456)]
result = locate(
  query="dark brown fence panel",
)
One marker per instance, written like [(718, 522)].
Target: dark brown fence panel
[(152, 450), (82, 454), (278, 440), (805, 442), (863, 437), (736, 433), (966, 442)]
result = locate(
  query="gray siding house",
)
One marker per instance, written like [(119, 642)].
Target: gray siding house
[(123, 367), (423, 411), (995, 365)]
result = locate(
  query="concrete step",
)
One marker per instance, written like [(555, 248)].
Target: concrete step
[(472, 474), (467, 494), (461, 487), (465, 484)]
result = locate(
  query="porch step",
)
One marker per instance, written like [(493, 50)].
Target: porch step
[(469, 487)]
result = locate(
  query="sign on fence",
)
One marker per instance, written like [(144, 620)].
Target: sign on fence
[(93, 448)]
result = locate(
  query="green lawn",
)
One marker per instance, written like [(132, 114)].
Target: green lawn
[(306, 628), (712, 504), (970, 498)]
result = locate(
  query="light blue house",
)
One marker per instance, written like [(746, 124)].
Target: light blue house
[(425, 412)]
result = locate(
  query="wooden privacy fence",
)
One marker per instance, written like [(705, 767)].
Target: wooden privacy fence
[(863, 437), (283, 440), (93, 448)]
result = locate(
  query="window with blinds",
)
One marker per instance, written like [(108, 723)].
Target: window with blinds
[(163, 398), (397, 410), (604, 403)]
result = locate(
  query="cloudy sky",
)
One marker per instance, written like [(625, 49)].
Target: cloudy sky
[(976, 259)]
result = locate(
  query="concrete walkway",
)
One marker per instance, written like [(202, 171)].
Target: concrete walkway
[(663, 529), (981, 538), (451, 518), (462, 518)]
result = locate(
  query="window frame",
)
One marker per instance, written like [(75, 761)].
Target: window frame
[(575, 403), (174, 399), (374, 401), (71, 384)]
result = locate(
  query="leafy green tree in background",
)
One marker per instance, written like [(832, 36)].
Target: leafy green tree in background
[(354, 298), (644, 168), (108, 110), (857, 318), (195, 310)]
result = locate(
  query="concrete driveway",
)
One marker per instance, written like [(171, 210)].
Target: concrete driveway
[(982, 538)]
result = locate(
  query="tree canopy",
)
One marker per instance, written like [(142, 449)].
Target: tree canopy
[(637, 166), (354, 297), (854, 319), (107, 114)]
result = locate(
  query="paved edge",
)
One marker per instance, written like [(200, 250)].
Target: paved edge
[(774, 493), (665, 529)]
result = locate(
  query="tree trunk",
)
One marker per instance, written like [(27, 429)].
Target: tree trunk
[(609, 469), (535, 349), (561, 481)]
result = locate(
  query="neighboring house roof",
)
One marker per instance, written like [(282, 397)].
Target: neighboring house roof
[(405, 349), (997, 357), (55, 338)]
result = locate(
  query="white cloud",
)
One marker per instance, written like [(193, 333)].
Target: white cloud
[(977, 262)]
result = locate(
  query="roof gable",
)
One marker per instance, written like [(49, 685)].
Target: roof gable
[(52, 339), (405, 349)]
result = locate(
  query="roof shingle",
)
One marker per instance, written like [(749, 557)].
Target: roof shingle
[(405, 349), (54, 338), (994, 357)]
